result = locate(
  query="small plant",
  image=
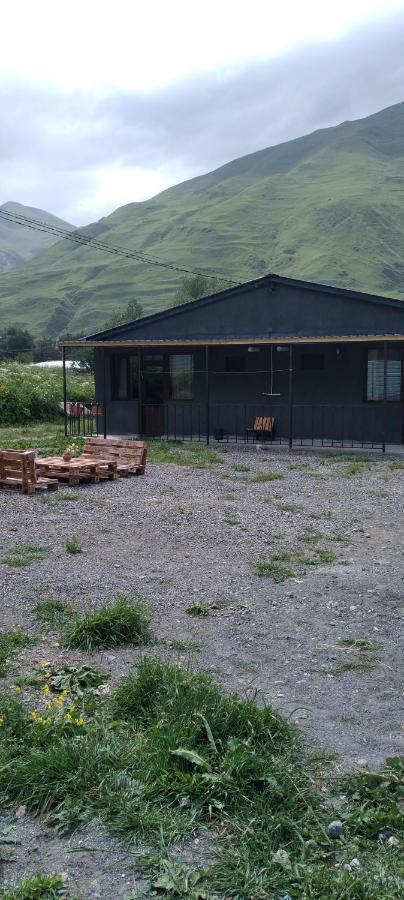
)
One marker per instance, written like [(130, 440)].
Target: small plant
[(201, 610), (73, 546), (53, 613), (6, 839), (37, 887), (179, 880), (278, 567), (290, 507), (68, 497), (396, 464), (310, 536), (240, 467), (124, 624), (76, 680), (10, 645), (275, 569), (24, 555), (362, 656)]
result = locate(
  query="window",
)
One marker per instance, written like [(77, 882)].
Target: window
[(375, 374), (124, 376), (312, 362), (181, 376), (234, 364)]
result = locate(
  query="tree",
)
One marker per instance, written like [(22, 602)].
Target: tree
[(194, 286), (16, 343), (132, 311)]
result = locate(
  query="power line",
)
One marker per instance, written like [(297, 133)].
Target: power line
[(65, 234)]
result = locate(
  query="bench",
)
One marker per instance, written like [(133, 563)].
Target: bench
[(264, 427), (130, 456), (17, 470)]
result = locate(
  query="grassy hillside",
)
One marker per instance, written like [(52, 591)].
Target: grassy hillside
[(328, 207), (17, 244)]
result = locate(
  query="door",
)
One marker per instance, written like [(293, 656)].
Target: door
[(153, 394)]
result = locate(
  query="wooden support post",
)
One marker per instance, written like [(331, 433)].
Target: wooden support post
[(384, 395), (290, 396), (207, 394), (140, 393), (64, 389), (104, 399)]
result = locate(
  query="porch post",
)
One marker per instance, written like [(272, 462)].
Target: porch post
[(384, 395), (104, 397), (207, 394), (139, 393), (290, 395), (64, 388)]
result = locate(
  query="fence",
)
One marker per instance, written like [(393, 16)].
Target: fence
[(331, 425)]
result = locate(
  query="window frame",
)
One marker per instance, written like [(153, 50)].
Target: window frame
[(380, 349), (132, 385)]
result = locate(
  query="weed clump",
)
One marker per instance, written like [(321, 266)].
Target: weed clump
[(53, 614), (124, 624), (24, 555), (73, 546), (10, 645)]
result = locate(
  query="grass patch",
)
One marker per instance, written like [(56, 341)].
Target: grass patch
[(362, 656), (195, 455), (279, 567), (24, 555), (37, 887), (73, 546), (54, 614), (266, 476), (232, 521), (396, 464), (310, 536), (185, 645), (290, 507), (201, 610), (358, 467), (10, 645), (240, 467), (169, 752), (68, 497), (124, 624)]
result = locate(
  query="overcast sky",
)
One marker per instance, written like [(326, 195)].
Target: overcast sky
[(107, 103)]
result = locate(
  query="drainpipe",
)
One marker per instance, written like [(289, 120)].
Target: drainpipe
[(290, 396), (207, 394)]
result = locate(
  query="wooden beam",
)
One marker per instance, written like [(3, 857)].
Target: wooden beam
[(245, 341)]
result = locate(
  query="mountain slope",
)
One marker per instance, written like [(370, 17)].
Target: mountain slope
[(17, 244), (327, 207)]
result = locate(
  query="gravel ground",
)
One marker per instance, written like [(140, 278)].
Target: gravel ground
[(179, 536)]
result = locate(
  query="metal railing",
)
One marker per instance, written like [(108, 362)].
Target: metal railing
[(83, 419)]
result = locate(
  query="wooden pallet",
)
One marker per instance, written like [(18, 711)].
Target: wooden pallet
[(130, 456), (76, 469), (17, 470)]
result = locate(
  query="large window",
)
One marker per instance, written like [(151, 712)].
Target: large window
[(375, 374), (181, 376), (124, 376)]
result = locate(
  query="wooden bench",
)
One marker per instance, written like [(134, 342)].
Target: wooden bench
[(263, 428), (17, 470), (130, 456)]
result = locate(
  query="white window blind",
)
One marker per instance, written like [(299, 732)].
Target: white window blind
[(375, 375)]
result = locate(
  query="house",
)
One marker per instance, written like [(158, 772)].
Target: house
[(324, 362)]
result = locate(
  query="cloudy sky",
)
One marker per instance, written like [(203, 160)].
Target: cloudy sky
[(105, 103)]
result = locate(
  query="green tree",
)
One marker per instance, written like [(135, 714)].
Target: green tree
[(194, 286), (16, 343), (131, 312)]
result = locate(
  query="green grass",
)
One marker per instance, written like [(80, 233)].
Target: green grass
[(73, 546), (48, 438), (11, 642), (52, 613), (396, 464), (195, 455), (290, 507), (125, 623), (279, 566), (24, 555), (185, 645), (201, 610), (169, 753), (240, 467), (266, 476), (361, 656), (36, 887)]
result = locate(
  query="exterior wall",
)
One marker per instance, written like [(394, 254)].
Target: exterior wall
[(329, 403)]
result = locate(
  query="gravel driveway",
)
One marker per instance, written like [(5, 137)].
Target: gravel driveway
[(180, 536)]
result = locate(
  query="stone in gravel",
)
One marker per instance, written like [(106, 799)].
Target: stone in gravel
[(383, 835), (335, 828)]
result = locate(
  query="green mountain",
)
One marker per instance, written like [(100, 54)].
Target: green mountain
[(325, 207), (18, 244)]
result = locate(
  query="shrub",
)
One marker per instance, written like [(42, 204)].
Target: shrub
[(28, 394)]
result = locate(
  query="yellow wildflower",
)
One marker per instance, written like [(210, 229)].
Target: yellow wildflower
[(17, 689), (68, 717), (43, 663), (2, 720), (79, 721), (46, 689), (34, 714)]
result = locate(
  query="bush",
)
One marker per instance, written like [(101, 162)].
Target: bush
[(28, 394), (125, 624)]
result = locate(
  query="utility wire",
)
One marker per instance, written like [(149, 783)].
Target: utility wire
[(65, 234)]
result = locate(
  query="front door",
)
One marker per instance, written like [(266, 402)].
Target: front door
[(153, 393)]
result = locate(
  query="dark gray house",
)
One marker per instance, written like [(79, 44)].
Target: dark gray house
[(324, 362)]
